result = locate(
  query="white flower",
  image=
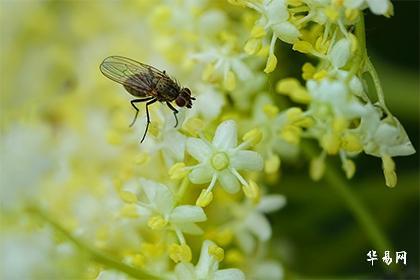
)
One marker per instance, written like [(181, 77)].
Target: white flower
[(340, 53), (222, 159), (207, 268), (383, 136), (209, 104), (159, 206), (251, 222), (332, 98), (224, 61), (378, 7), (274, 15)]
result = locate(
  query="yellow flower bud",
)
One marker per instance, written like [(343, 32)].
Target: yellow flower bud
[(254, 136), (129, 211), (351, 142), (272, 164), (308, 70), (287, 85), (235, 257), (252, 46), (216, 252), (180, 253), (331, 13), (128, 197), (223, 237), (270, 110), (320, 74), (351, 14), (252, 191), (204, 199), (331, 143), (291, 134), (178, 171), (230, 81), (303, 47), (258, 31), (293, 114), (349, 167), (271, 63), (317, 168), (388, 166)]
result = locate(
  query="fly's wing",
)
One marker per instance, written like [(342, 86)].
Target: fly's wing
[(130, 73)]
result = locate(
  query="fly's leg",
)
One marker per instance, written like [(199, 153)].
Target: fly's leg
[(175, 112), (137, 109), (148, 117)]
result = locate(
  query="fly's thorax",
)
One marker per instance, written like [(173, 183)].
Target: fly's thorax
[(167, 89)]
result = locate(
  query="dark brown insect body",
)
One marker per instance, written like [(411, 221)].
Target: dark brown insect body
[(147, 83)]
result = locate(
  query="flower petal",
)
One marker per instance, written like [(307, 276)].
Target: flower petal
[(205, 266), (198, 149), (226, 135), (286, 31), (158, 195), (201, 174), (271, 203), (184, 271), (229, 274), (228, 181), (258, 225), (246, 160), (190, 228), (187, 213), (245, 240), (378, 7)]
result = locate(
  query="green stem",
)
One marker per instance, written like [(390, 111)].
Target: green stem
[(363, 63), (362, 216), (97, 256), (378, 87)]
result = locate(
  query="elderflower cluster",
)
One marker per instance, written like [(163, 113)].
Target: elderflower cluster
[(191, 202)]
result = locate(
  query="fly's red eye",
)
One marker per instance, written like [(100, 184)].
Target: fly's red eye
[(180, 101)]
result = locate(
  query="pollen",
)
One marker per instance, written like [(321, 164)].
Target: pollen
[(388, 166), (252, 191), (157, 222), (180, 253), (217, 252), (303, 47), (271, 63), (253, 137), (204, 199), (178, 171)]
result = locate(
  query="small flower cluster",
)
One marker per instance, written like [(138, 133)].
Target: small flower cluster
[(190, 202)]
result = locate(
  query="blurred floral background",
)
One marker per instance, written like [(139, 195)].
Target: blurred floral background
[(286, 167)]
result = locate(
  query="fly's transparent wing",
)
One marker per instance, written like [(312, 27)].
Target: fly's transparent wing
[(130, 73)]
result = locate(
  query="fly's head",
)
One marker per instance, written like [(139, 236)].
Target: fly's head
[(184, 98)]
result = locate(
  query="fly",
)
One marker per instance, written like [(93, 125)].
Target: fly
[(147, 83)]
